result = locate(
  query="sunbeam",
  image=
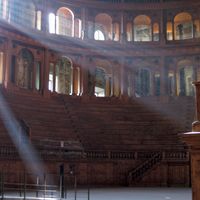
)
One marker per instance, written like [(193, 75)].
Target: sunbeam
[(26, 151)]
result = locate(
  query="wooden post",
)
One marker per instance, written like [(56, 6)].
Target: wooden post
[(193, 141), (24, 184), (196, 123)]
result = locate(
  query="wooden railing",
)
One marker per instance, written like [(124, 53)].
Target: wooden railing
[(144, 167), (56, 152)]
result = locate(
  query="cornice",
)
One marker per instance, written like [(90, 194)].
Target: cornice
[(130, 6)]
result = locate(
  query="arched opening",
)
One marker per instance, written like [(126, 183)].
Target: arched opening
[(63, 76), (52, 23), (100, 82), (25, 69), (129, 33), (183, 26), (98, 35), (39, 20), (77, 28), (116, 31), (196, 28), (156, 32), (171, 83), (23, 13), (1, 67), (4, 9), (103, 23), (169, 31), (142, 28), (142, 82), (185, 78), (65, 22), (157, 84)]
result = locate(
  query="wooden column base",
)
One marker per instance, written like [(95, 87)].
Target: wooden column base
[(193, 141)]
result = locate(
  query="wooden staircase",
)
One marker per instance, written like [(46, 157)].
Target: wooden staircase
[(140, 171)]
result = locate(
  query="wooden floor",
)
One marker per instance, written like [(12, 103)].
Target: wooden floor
[(113, 194), (142, 194)]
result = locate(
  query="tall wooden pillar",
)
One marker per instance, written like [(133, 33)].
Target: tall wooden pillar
[(162, 28), (84, 77), (162, 77), (122, 29), (124, 80), (193, 140), (83, 16), (196, 124), (46, 73), (75, 80), (7, 63)]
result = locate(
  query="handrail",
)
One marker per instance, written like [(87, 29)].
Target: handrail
[(49, 152), (143, 168)]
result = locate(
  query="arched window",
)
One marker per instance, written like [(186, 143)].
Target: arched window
[(77, 28), (63, 76), (65, 22), (103, 23), (196, 28), (116, 31), (100, 82), (183, 26), (51, 77), (155, 32), (39, 20), (142, 82), (98, 35), (22, 13), (24, 73), (1, 67), (157, 84), (52, 23), (169, 31), (4, 6), (142, 28), (171, 84), (129, 29), (185, 78)]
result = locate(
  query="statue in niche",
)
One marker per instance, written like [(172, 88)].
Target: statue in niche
[(64, 76), (180, 30), (22, 76), (90, 83), (24, 71)]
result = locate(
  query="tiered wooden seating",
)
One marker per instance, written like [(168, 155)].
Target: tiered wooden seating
[(46, 118), (139, 124), (103, 123)]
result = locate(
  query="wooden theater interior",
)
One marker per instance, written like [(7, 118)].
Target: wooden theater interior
[(98, 89)]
